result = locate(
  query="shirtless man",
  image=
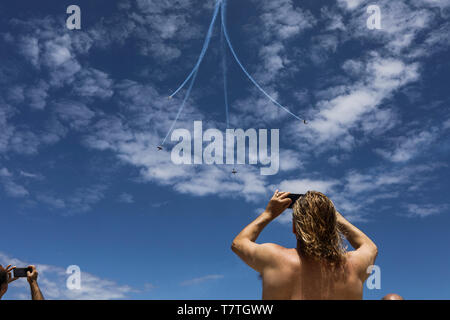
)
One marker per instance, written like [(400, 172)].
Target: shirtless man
[(320, 267)]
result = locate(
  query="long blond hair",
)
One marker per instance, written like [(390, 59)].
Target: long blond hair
[(316, 228)]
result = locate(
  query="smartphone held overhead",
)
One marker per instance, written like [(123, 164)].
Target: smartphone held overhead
[(21, 272), (294, 197)]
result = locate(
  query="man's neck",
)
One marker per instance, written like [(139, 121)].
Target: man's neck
[(299, 251)]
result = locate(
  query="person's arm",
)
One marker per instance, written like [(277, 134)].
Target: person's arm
[(32, 276), (365, 249), (9, 279), (259, 256)]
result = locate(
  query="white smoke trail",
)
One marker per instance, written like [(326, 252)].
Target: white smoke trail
[(225, 76), (186, 97), (204, 49), (194, 71), (224, 27)]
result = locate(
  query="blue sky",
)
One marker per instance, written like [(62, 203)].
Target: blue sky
[(81, 114)]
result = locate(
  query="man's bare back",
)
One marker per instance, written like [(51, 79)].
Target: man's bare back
[(288, 274), (299, 278)]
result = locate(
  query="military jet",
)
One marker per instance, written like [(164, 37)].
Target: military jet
[(305, 122), (159, 148), (234, 171)]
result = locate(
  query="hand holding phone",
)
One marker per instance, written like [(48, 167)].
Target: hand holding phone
[(21, 272), (294, 197)]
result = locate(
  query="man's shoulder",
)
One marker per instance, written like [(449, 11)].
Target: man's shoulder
[(274, 249), (280, 253), (357, 263), (274, 246)]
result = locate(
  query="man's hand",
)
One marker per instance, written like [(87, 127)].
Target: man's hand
[(261, 256), (278, 203), (340, 220), (32, 275), (10, 277), (365, 249)]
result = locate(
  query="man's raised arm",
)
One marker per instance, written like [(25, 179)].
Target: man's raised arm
[(365, 249), (259, 256), (32, 276)]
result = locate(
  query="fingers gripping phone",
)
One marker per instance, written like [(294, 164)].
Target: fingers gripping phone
[(294, 197), (21, 272)]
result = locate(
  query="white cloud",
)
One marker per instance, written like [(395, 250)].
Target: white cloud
[(446, 124), (283, 19), (29, 47), (285, 218), (304, 185), (93, 83), (349, 107), (11, 187), (353, 67), (350, 4), (126, 198), (80, 200), (359, 190), (4, 172), (52, 201), (52, 282), (290, 160), (200, 280), (401, 23), (335, 20), (360, 183), (84, 198), (409, 146), (76, 114), (57, 54), (15, 190), (37, 95), (36, 176), (426, 210), (272, 59)]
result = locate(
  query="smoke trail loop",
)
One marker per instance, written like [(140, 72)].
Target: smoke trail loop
[(186, 97), (204, 49), (225, 75), (224, 28)]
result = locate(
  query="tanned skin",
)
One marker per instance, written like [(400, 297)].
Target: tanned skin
[(392, 296), (32, 276), (289, 275), (4, 287)]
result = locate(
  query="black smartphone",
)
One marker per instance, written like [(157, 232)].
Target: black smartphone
[(294, 197), (21, 272)]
